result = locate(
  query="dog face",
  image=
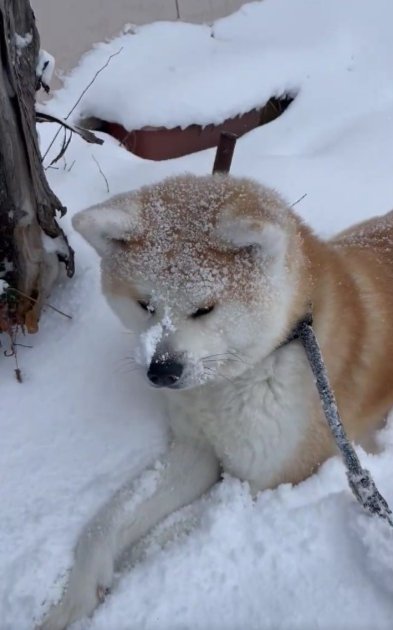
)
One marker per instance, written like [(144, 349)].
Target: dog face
[(200, 269)]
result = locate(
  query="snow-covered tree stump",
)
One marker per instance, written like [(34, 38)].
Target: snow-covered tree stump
[(28, 207)]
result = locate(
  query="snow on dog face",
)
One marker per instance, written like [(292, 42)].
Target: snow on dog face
[(198, 267)]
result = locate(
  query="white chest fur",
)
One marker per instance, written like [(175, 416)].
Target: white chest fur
[(255, 424)]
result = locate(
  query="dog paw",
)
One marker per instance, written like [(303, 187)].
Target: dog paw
[(88, 585)]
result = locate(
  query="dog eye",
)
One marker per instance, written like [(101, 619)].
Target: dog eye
[(146, 306), (202, 311)]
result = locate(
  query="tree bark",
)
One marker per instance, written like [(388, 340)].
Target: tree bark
[(28, 206)]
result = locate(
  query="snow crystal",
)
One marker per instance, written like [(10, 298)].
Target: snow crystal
[(192, 271), (376, 536), (167, 322), (54, 245), (22, 41), (150, 339), (149, 342), (45, 67)]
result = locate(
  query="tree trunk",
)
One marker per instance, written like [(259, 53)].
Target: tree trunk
[(27, 204)]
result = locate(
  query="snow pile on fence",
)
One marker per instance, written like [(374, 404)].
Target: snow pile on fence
[(337, 56)]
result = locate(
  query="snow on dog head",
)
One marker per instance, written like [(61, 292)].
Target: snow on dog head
[(205, 269)]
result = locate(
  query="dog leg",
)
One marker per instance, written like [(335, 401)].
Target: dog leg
[(182, 476)]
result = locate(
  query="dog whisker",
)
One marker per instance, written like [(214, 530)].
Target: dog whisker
[(219, 357), (224, 356), (126, 369), (218, 361), (239, 357), (136, 368), (210, 371), (127, 361), (220, 375)]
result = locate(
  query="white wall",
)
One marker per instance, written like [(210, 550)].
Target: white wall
[(68, 28)]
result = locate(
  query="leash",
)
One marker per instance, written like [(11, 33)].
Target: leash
[(359, 479)]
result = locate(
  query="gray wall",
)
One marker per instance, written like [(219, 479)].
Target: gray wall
[(68, 28)]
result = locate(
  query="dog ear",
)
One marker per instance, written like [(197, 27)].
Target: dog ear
[(242, 231), (116, 219)]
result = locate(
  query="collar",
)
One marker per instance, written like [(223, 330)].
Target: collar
[(306, 320)]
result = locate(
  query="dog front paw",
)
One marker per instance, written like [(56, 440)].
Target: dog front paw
[(88, 585)]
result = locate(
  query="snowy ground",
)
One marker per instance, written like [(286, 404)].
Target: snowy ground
[(297, 558)]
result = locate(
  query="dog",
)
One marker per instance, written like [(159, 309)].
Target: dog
[(213, 273)]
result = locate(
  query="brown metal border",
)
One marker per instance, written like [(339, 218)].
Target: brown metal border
[(160, 143)]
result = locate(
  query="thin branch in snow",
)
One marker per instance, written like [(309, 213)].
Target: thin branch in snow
[(101, 171), (12, 352), (87, 135), (18, 373), (64, 147), (88, 86), (28, 297)]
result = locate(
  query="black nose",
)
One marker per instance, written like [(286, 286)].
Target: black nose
[(164, 372)]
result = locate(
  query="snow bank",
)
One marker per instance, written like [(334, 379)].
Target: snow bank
[(337, 56), (83, 421)]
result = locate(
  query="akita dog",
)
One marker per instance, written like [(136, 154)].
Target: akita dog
[(213, 273)]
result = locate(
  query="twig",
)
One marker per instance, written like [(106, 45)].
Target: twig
[(64, 147), (92, 81), (87, 135), (101, 171), (28, 297), (12, 352), (88, 86), (298, 200)]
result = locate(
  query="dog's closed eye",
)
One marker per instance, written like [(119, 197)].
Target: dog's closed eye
[(204, 310), (146, 306)]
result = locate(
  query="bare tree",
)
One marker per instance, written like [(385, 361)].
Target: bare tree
[(31, 240)]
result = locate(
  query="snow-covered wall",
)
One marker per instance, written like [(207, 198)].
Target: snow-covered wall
[(68, 29)]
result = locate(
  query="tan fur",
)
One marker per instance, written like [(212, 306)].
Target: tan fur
[(348, 280), (349, 283)]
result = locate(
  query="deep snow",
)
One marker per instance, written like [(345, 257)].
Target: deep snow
[(83, 421)]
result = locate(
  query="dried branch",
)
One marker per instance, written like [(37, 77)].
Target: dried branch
[(28, 297), (101, 171), (87, 135), (63, 149), (88, 86)]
